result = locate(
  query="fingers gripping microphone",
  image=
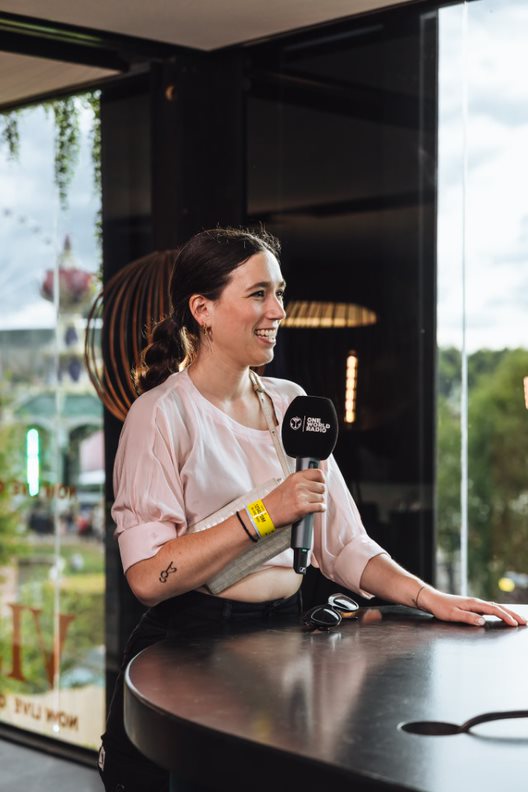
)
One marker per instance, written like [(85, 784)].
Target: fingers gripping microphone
[(309, 433)]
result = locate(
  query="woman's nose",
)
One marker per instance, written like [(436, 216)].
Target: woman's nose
[(276, 308)]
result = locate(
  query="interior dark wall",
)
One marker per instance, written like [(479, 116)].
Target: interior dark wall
[(198, 139), (341, 166)]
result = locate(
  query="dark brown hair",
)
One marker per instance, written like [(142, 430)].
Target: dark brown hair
[(203, 265)]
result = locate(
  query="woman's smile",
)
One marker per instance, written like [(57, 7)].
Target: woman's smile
[(267, 337)]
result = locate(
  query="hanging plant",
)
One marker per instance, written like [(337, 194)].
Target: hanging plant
[(93, 101), (66, 115), (67, 143), (11, 135)]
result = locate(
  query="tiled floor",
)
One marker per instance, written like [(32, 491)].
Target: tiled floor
[(25, 770)]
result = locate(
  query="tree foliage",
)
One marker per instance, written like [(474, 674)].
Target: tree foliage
[(497, 463), (11, 440), (10, 135)]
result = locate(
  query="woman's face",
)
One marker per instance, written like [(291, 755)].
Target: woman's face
[(245, 318)]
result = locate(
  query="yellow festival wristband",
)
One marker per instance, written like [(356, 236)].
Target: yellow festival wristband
[(262, 522)]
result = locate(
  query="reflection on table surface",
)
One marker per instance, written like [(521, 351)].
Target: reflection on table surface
[(340, 697)]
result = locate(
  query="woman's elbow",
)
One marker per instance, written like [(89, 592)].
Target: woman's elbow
[(141, 586), (145, 585)]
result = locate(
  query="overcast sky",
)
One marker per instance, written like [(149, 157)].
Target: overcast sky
[(491, 63), (494, 64), (32, 225)]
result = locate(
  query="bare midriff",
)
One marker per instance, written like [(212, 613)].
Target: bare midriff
[(270, 583)]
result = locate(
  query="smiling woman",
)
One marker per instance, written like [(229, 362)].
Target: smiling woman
[(199, 436), (201, 480)]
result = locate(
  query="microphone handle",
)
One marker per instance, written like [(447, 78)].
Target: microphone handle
[(302, 530)]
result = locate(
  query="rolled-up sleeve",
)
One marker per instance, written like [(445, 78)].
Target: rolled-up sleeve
[(342, 547), (148, 508)]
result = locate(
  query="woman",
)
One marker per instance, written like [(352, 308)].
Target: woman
[(196, 440)]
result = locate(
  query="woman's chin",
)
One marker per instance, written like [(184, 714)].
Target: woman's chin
[(260, 357), (266, 358), (260, 362)]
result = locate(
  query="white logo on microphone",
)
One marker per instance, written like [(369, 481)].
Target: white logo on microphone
[(312, 424), (316, 425)]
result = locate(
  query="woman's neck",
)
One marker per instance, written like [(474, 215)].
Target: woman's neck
[(230, 391), (219, 382)]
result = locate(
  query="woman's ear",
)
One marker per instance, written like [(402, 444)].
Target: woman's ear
[(199, 308)]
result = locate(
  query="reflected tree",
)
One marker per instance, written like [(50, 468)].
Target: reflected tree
[(11, 441), (497, 459)]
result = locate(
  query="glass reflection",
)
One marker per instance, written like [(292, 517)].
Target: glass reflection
[(51, 458), (482, 279)]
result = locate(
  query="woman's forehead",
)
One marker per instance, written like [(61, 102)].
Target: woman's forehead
[(262, 266)]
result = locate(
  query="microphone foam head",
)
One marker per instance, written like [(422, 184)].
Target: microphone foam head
[(310, 428)]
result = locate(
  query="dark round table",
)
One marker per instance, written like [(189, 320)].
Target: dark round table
[(264, 710)]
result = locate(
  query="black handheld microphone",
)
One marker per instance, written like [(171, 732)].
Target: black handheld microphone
[(309, 433)]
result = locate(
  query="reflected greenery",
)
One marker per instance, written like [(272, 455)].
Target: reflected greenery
[(11, 440), (497, 442), (81, 596)]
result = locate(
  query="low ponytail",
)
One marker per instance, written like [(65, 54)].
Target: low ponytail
[(162, 357)]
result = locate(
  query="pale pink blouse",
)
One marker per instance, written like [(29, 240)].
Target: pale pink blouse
[(180, 459)]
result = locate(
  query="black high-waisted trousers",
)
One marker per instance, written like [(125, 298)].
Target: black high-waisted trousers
[(122, 767)]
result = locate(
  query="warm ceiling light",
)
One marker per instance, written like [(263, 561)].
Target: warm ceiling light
[(351, 387), (301, 313)]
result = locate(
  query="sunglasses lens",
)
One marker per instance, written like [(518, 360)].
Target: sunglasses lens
[(322, 617), (345, 605)]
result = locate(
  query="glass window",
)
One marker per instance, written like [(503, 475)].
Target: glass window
[(482, 419), (51, 438)]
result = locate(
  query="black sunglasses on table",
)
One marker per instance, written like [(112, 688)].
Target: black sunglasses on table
[(338, 607)]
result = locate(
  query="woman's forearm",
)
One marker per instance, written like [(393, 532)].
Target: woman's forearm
[(187, 562), (386, 579), (191, 560)]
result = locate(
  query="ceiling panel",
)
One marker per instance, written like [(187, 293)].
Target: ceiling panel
[(203, 24), (22, 77), (200, 24)]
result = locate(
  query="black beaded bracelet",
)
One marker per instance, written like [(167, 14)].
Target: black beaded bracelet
[(241, 521)]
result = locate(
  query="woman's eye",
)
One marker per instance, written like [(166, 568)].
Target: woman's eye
[(261, 294)]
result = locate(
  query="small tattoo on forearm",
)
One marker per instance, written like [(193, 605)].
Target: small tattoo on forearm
[(166, 572)]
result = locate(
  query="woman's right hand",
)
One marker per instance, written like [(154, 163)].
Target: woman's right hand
[(300, 494)]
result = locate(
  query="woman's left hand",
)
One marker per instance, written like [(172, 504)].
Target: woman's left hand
[(469, 610)]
